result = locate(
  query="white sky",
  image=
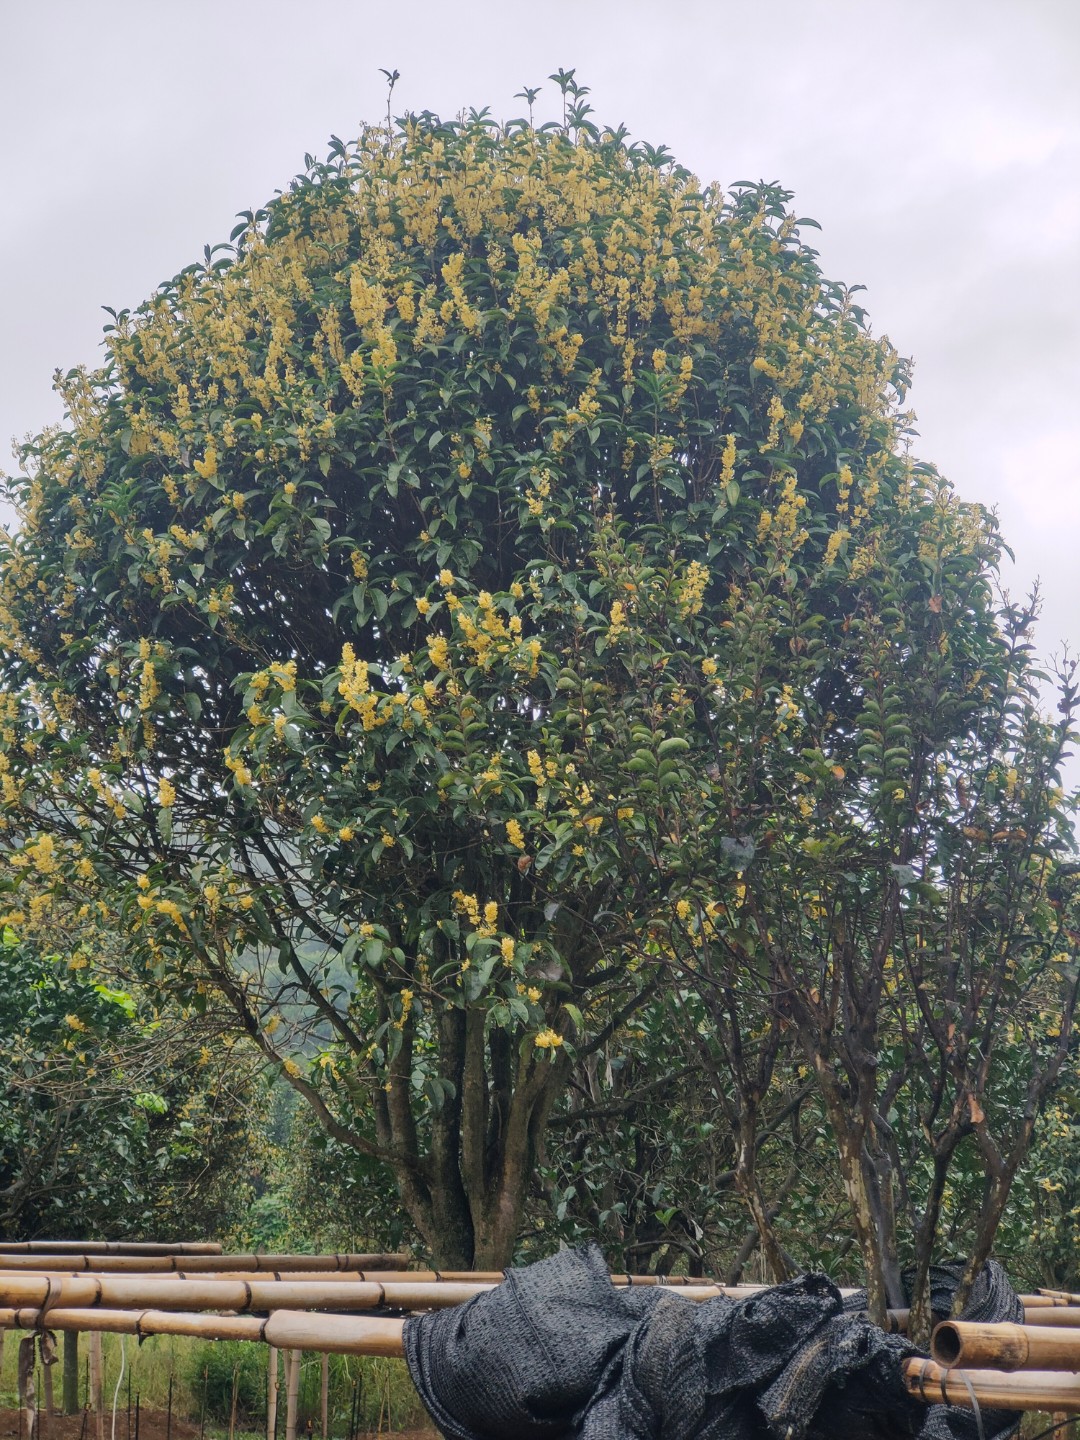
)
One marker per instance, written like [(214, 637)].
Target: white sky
[(936, 141)]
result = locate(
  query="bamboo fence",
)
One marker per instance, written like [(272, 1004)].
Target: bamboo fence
[(288, 1302)]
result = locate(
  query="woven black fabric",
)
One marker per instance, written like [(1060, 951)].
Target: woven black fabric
[(558, 1351)]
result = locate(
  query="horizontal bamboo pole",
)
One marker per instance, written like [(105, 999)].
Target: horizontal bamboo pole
[(340, 1334), (134, 1322), (200, 1264), (109, 1247), (1065, 1319), (168, 1293), (1005, 1346), (286, 1329), (999, 1389), (1062, 1296), (322, 1277)]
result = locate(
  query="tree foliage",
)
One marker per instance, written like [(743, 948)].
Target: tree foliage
[(113, 1121), (494, 585)]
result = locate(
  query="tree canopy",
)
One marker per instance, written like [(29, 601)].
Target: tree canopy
[(497, 583)]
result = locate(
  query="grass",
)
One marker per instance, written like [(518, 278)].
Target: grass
[(377, 1392)]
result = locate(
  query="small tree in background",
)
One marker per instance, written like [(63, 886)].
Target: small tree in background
[(494, 586), (114, 1120)]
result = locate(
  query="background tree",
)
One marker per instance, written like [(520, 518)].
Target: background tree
[(114, 1121), (419, 615)]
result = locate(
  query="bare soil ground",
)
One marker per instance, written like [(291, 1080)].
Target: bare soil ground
[(153, 1425)]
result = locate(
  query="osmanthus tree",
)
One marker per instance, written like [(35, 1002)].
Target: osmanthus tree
[(458, 596)]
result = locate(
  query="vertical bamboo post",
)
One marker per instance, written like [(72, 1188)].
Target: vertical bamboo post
[(95, 1385), (71, 1372), (27, 1398), (202, 1408), (271, 1392), (325, 1395), (292, 1392), (235, 1393)]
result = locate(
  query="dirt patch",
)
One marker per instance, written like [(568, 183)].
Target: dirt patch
[(153, 1425)]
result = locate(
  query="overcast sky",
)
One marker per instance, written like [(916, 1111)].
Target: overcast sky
[(936, 141)]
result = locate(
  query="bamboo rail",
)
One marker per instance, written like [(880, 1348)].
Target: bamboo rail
[(999, 1389), (199, 1264), (1059, 1319), (109, 1247), (167, 1293), (285, 1329), (396, 1290)]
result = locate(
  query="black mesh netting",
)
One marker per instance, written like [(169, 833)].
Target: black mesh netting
[(558, 1350)]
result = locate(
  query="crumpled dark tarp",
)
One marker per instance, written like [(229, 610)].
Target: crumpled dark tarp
[(557, 1350)]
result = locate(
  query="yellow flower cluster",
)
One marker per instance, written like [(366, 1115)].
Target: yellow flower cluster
[(240, 772), (692, 590)]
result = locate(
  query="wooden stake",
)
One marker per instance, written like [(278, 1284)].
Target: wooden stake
[(324, 1408), (235, 1393), (27, 1397), (96, 1404), (271, 1392), (71, 1372), (292, 1391)]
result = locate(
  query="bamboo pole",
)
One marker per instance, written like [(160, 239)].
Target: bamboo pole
[(169, 1292), (27, 1395), (85, 1291), (96, 1401), (1051, 1391), (199, 1264), (71, 1373), (324, 1397), (137, 1322), (235, 1396), (1006, 1346), (271, 1392), (1067, 1319), (109, 1247), (292, 1391)]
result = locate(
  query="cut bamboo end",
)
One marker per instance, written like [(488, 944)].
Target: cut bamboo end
[(1006, 1347)]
